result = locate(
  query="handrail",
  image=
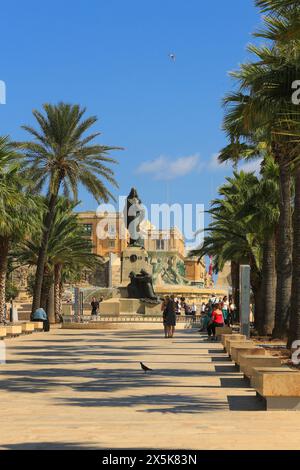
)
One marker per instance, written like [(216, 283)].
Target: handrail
[(128, 318)]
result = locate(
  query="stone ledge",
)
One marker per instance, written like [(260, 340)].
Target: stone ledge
[(278, 384), (235, 349), (281, 370), (249, 352), (119, 326), (3, 332), (244, 344), (225, 330), (27, 327), (14, 330), (248, 363), (232, 336), (281, 403)]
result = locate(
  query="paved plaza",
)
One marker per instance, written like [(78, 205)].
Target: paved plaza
[(85, 389)]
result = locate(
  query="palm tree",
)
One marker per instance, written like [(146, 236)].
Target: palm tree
[(268, 105), (259, 113), (283, 28), (16, 210), (285, 31), (262, 208), (228, 236), (243, 230), (69, 251), (60, 158)]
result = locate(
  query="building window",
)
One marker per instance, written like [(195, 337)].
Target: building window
[(160, 244), (111, 230), (111, 244), (88, 228)]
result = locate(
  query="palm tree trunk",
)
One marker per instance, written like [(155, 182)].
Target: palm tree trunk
[(284, 256), (294, 331), (50, 304), (268, 285), (57, 290), (61, 290), (235, 279), (47, 281), (48, 222), (4, 247), (258, 305), (256, 286)]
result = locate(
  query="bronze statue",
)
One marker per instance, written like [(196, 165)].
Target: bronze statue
[(134, 214), (141, 287)]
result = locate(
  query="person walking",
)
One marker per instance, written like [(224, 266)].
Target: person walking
[(232, 310), (225, 310), (178, 306), (194, 309), (164, 312), (95, 306), (217, 320), (171, 317), (207, 316)]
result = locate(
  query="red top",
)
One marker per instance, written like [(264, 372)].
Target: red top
[(217, 316)]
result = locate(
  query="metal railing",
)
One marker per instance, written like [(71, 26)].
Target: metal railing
[(129, 318)]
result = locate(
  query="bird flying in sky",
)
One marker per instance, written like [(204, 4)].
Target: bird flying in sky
[(172, 56)]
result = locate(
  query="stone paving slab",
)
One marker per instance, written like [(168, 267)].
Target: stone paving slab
[(85, 389)]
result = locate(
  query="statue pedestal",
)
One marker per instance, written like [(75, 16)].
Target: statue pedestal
[(133, 259), (117, 307)]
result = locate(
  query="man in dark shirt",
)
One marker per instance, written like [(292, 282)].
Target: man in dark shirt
[(95, 306)]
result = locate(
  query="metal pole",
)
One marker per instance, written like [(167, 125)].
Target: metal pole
[(76, 304), (81, 305), (245, 300)]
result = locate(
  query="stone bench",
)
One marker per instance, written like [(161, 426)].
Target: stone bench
[(232, 340), (3, 332), (236, 348), (224, 330), (281, 369), (231, 336), (248, 363), (279, 390), (14, 330), (38, 326), (27, 328), (238, 344), (251, 351)]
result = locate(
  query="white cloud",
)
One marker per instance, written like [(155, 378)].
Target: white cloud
[(214, 163), (248, 167), (166, 168), (251, 167)]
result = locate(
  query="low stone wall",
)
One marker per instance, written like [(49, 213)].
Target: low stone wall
[(121, 326)]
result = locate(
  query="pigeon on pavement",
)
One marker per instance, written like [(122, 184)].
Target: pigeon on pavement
[(145, 368)]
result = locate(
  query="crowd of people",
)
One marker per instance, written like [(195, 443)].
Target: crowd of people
[(216, 313)]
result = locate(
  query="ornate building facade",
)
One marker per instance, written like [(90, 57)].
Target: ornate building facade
[(166, 250)]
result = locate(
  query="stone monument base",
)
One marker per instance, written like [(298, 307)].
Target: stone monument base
[(133, 259), (117, 307)]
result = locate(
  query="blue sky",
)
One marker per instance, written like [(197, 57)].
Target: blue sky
[(112, 57)]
